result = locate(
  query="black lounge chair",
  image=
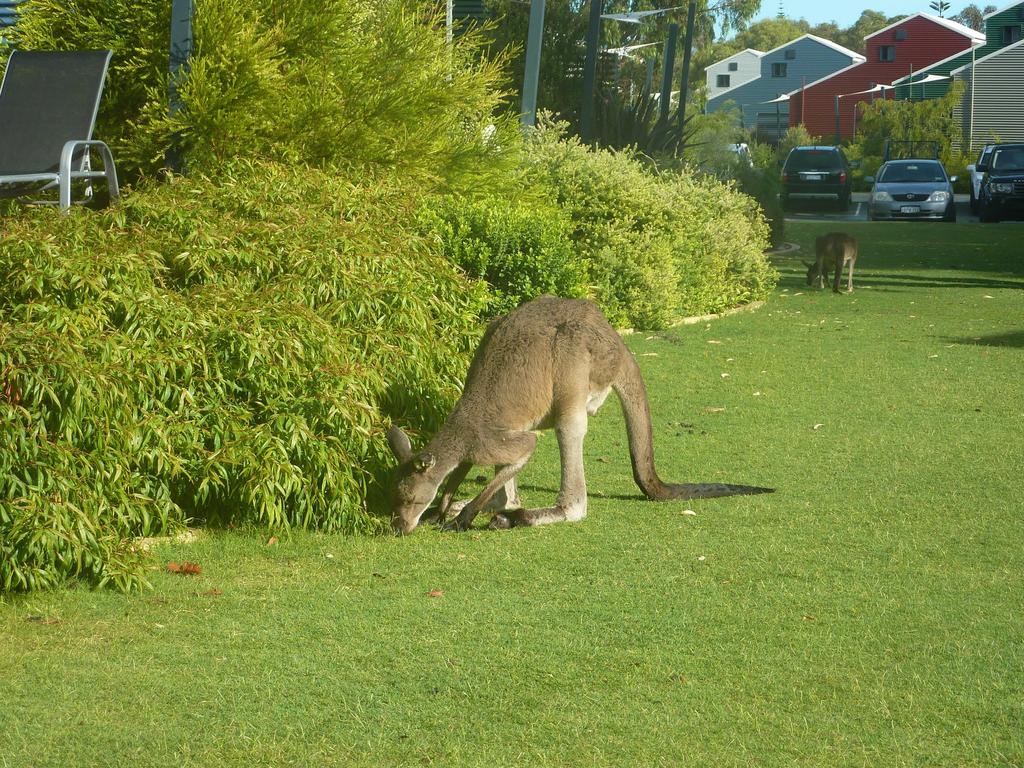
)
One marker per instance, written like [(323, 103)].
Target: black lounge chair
[(48, 105)]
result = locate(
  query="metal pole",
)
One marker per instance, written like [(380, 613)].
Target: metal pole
[(838, 129), (590, 72), (691, 13), (534, 42), (668, 65), (180, 51), (449, 20), (649, 78), (970, 142)]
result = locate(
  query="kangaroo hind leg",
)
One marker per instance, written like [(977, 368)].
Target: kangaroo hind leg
[(571, 504)]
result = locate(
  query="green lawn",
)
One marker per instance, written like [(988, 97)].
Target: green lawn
[(869, 613)]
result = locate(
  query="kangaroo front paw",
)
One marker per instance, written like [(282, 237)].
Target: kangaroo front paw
[(456, 524)]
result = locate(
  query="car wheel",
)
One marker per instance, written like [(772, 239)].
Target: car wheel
[(950, 216), (974, 202), (844, 202)]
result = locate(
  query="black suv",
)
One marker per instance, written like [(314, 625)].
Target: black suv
[(816, 173), (1002, 188)]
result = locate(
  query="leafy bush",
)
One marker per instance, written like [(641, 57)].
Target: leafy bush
[(522, 250), (359, 86), (764, 185), (220, 349), (639, 124), (925, 123), (656, 244)]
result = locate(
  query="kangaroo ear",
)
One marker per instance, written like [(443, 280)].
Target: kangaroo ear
[(399, 442), (425, 461)]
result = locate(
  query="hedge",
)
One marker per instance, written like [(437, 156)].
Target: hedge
[(214, 349)]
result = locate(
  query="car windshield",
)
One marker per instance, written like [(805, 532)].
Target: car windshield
[(813, 160), (1009, 159), (909, 173)]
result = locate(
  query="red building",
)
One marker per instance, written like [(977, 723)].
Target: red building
[(898, 50)]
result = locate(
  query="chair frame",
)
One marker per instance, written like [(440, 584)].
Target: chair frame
[(66, 174)]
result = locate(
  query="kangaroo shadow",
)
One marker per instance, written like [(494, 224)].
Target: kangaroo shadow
[(879, 279), (1010, 339)]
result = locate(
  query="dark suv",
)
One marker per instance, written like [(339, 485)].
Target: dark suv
[(1002, 188), (816, 173)]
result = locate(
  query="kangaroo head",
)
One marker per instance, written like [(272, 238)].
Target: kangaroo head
[(417, 481), (812, 272)]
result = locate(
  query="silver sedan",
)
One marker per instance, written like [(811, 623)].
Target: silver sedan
[(912, 190)]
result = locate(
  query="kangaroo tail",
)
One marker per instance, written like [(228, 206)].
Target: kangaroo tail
[(633, 395), (708, 491)]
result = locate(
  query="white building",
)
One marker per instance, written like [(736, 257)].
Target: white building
[(736, 70)]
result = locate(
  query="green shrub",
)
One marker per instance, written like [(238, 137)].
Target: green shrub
[(222, 348), (521, 250), (657, 244), (925, 125), (359, 86)]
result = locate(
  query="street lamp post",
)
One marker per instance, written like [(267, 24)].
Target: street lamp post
[(590, 73), (534, 42), (181, 50), (667, 67), (691, 15)]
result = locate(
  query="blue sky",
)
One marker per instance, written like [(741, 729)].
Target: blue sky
[(845, 13)]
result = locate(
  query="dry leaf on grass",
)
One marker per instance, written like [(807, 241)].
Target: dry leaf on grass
[(272, 541), (435, 593), (184, 569), (47, 620), (212, 593)]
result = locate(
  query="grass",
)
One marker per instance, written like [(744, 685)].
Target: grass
[(868, 613)]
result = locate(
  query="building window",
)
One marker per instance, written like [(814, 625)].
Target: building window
[(791, 53), (733, 66), (901, 34), (779, 69), (723, 81), (887, 53), (1011, 34)]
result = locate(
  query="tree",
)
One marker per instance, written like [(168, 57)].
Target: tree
[(560, 88), (973, 16), (916, 121), (939, 6)]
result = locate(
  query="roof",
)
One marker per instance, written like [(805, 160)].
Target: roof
[(738, 53), (947, 23), (990, 56), (826, 77), (1003, 9), (822, 41), (924, 70)]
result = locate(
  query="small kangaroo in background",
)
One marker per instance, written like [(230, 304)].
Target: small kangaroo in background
[(834, 250), (549, 363)]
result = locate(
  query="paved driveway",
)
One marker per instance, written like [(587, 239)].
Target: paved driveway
[(858, 211)]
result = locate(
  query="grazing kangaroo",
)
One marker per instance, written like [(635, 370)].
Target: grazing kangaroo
[(836, 250), (549, 363)]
